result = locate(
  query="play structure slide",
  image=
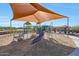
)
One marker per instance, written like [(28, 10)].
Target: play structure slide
[(38, 38)]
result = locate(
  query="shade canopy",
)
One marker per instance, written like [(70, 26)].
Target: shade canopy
[(33, 12)]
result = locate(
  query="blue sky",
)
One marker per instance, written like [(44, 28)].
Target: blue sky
[(68, 9)]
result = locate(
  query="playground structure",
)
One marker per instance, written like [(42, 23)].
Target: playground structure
[(33, 13), (36, 40)]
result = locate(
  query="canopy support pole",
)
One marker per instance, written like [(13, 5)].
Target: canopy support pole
[(11, 29), (10, 26), (51, 28), (52, 25), (25, 30), (67, 25)]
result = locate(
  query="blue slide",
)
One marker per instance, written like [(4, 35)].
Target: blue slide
[(38, 38)]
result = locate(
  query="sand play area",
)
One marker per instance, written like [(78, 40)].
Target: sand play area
[(55, 45), (5, 39)]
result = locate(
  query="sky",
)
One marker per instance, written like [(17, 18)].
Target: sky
[(67, 9)]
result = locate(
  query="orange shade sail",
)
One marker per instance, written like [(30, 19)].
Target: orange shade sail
[(33, 12)]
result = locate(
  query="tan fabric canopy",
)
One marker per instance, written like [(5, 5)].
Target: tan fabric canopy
[(33, 12)]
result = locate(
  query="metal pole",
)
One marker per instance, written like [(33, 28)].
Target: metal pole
[(67, 25), (11, 29), (52, 25), (26, 29), (51, 28), (67, 21), (24, 32), (10, 26)]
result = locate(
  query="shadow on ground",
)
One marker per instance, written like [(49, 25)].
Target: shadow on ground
[(42, 48)]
